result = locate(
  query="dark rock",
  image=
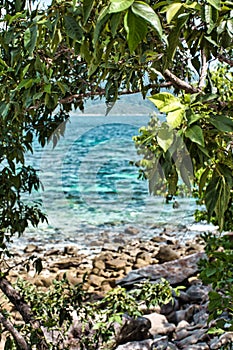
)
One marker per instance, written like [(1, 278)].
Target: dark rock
[(133, 330), (198, 293), (160, 343), (194, 338), (136, 345), (224, 339), (175, 271)]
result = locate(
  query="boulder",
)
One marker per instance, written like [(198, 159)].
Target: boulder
[(159, 324), (166, 254), (115, 264), (136, 345), (175, 271), (133, 329)]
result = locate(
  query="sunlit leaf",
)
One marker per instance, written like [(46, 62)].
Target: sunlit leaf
[(195, 134), (146, 12), (119, 5)]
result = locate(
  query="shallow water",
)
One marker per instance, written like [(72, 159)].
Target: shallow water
[(90, 187)]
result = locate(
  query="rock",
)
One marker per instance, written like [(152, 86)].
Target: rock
[(159, 324), (115, 264), (166, 254), (51, 252), (136, 345), (66, 263), (175, 271), (173, 305), (32, 248), (71, 250), (160, 343), (198, 293), (133, 329), (194, 338), (198, 346), (130, 230), (224, 339), (201, 317), (99, 264), (95, 280), (181, 325), (158, 239)]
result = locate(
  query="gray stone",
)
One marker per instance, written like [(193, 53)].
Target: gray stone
[(133, 330), (198, 293), (224, 339), (175, 271), (159, 324), (160, 343), (194, 338), (198, 346), (130, 230), (136, 345)]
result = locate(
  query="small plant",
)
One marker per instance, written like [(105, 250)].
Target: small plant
[(217, 270)]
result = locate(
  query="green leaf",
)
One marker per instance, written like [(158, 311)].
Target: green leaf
[(211, 195), (114, 23), (30, 38), (215, 3), (172, 10), (119, 5), (165, 138), (195, 134), (165, 102), (87, 7), (72, 28), (174, 36), (101, 20), (175, 118), (146, 12), (136, 30), (193, 118), (203, 180), (222, 123)]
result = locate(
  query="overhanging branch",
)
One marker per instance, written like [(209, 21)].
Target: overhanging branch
[(224, 59), (180, 83)]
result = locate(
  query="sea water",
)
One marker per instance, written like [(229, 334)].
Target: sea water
[(89, 186)]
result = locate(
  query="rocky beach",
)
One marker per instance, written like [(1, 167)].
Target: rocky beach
[(180, 324)]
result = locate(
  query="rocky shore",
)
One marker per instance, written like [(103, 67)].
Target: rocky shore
[(181, 324)]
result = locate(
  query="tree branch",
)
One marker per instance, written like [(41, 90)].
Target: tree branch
[(180, 83), (24, 309), (101, 92), (203, 70), (224, 59), (16, 335)]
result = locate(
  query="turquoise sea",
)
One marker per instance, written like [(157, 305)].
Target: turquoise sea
[(90, 189)]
